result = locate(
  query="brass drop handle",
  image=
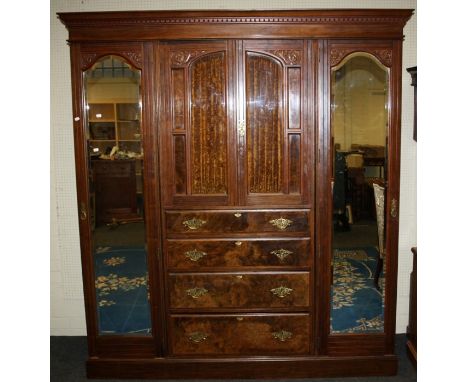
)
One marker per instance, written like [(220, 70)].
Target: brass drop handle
[(281, 291), (282, 335), (237, 214), (281, 223), (194, 223), (83, 212), (196, 292), (197, 337), (195, 255), (281, 254), (394, 208)]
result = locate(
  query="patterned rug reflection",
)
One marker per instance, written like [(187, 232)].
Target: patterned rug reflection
[(121, 289), (357, 306)]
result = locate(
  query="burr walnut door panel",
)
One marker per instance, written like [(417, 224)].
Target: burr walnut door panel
[(197, 147), (272, 126), (240, 334)]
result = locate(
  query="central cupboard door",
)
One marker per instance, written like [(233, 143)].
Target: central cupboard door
[(234, 127)]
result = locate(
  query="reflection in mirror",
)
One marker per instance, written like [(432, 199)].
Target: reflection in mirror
[(112, 89), (359, 119)]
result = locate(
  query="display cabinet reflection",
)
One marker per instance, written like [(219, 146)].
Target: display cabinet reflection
[(359, 124), (115, 162)]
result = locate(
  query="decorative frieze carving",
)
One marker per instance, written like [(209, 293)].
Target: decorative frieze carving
[(133, 57), (289, 57), (182, 57), (383, 55)]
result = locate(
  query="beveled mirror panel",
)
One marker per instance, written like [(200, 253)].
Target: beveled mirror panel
[(115, 162), (359, 125)]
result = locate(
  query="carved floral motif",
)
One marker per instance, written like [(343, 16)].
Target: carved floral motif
[(182, 57), (289, 57), (383, 55)]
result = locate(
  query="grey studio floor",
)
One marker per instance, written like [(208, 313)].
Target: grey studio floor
[(68, 357)]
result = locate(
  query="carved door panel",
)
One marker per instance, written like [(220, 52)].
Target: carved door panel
[(271, 125), (196, 139)]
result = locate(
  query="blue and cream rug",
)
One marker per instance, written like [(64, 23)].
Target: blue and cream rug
[(121, 290), (357, 306)]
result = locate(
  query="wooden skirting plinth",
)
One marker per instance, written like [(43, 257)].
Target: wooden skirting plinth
[(240, 368)]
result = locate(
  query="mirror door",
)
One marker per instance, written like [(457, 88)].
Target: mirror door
[(116, 203), (359, 116)]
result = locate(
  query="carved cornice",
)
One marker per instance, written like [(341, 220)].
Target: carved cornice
[(91, 19), (163, 25), (384, 55)]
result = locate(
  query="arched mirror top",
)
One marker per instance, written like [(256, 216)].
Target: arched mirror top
[(112, 65), (362, 57)]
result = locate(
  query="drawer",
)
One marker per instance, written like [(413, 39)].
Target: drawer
[(240, 334), (235, 290), (203, 222), (195, 254)]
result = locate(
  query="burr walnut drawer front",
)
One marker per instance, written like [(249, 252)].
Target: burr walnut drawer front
[(196, 254), (240, 334), (202, 222), (259, 290)]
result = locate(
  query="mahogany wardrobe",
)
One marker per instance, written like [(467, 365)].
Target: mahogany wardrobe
[(238, 190)]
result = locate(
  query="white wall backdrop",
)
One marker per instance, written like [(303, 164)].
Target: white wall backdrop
[(67, 304)]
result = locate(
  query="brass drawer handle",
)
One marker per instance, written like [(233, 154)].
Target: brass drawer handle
[(281, 291), (281, 254), (238, 243), (281, 223), (282, 335), (196, 292), (193, 223), (195, 255), (197, 337), (237, 214)]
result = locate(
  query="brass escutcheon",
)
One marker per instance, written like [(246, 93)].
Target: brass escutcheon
[(393, 208), (197, 337), (281, 254), (195, 255), (193, 223), (241, 128), (282, 335), (281, 291), (196, 292), (83, 214), (281, 223), (237, 215)]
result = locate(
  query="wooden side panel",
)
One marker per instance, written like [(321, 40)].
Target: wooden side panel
[(208, 124), (205, 254), (240, 335), (248, 290)]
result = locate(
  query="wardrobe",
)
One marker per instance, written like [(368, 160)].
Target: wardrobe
[(225, 245)]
